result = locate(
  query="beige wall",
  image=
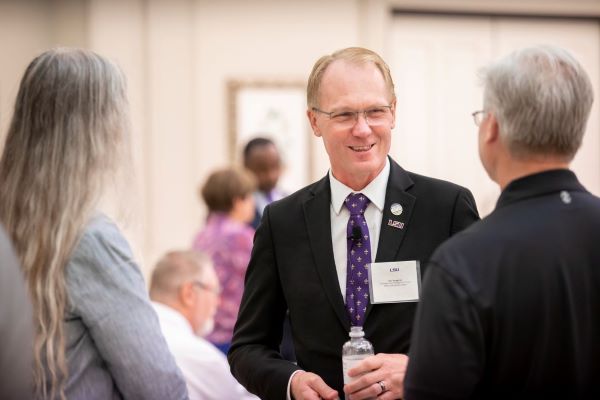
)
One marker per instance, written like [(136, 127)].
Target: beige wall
[(178, 56)]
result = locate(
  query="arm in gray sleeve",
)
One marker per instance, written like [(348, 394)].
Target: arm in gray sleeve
[(16, 330), (107, 291)]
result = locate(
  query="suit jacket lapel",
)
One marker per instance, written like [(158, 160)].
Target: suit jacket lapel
[(318, 223), (393, 227)]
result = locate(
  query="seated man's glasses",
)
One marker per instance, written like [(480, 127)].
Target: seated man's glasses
[(204, 286), (374, 116)]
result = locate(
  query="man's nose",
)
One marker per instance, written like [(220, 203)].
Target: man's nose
[(361, 126)]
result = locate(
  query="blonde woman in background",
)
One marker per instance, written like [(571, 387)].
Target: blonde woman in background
[(97, 334), (227, 239)]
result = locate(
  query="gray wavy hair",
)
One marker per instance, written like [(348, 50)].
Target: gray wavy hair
[(541, 97), (68, 133)]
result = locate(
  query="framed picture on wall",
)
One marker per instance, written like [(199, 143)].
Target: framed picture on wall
[(275, 110)]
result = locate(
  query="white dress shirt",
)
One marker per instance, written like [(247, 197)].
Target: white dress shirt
[(339, 214), (204, 367)]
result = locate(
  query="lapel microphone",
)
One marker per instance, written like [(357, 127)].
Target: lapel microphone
[(356, 234)]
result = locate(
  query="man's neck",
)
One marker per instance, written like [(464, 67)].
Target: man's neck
[(357, 182), (515, 169)]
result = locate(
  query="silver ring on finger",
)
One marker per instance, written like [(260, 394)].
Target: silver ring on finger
[(382, 386)]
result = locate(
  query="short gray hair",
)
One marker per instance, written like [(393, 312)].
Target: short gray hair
[(541, 97), (174, 269)]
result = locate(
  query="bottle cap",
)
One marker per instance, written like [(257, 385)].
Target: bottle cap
[(356, 331)]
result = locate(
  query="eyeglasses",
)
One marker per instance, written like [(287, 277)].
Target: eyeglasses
[(478, 116), (204, 286), (374, 116)]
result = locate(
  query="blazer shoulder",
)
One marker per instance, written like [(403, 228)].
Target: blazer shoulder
[(419, 184), (445, 198), (302, 195), (435, 185)]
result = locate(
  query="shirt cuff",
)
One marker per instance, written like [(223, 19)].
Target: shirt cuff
[(289, 386)]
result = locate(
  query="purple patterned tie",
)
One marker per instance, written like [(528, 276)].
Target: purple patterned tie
[(359, 256)]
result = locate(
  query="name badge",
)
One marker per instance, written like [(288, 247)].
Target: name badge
[(394, 282)]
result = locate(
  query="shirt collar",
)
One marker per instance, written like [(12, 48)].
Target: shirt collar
[(539, 184), (375, 190), (172, 317)]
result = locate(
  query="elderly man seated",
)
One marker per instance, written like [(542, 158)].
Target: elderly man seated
[(185, 293)]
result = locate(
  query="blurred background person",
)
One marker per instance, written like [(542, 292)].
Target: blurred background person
[(262, 158), (227, 240), (16, 327), (97, 335), (511, 306), (185, 293)]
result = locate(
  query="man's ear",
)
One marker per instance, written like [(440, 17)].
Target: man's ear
[(492, 130), (393, 110), (187, 294), (312, 118)]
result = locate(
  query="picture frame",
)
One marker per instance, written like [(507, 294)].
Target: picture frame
[(275, 109)]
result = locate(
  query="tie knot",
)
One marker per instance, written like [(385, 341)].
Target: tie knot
[(356, 203)]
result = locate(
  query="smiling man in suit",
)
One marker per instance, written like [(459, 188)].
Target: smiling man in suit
[(315, 249)]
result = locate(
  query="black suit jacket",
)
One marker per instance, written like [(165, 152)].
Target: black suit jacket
[(292, 266)]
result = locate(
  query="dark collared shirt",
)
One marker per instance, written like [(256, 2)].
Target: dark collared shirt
[(511, 307)]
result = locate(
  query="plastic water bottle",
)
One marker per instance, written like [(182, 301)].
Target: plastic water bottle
[(355, 350)]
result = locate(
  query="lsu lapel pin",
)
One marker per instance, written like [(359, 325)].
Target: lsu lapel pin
[(395, 224)]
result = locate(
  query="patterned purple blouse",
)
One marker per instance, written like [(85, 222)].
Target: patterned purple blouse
[(228, 243)]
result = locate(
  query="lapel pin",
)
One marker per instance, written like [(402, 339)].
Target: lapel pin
[(396, 209), (395, 224)]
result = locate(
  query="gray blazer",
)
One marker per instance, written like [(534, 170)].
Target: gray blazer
[(114, 346), (16, 327)]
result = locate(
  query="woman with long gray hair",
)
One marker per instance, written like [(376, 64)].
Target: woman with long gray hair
[(97, 336)]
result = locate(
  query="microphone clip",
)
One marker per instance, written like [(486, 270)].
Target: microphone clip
[(356, 235)]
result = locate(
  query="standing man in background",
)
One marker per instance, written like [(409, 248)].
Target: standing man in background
[(511, 306), (313, 249), (185, 292), (262, 158)]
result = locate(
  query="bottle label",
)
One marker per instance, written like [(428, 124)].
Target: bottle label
[(349, 362)]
